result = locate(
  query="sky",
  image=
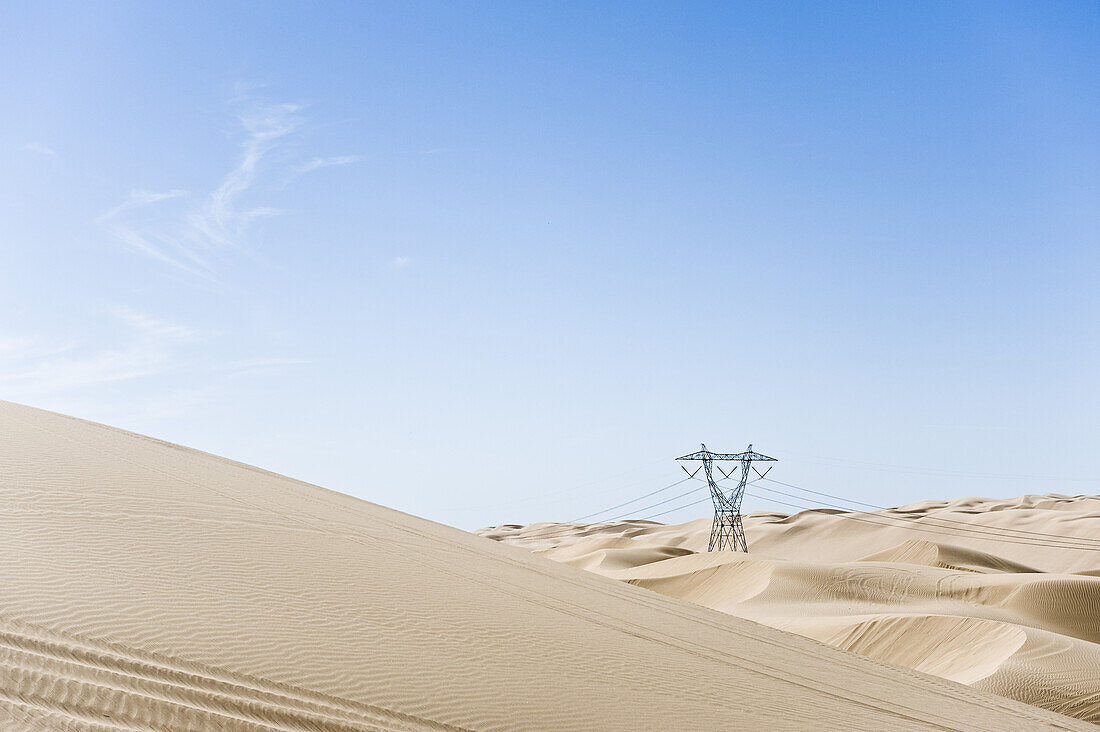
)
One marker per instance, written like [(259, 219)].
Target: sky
[(504, 262)]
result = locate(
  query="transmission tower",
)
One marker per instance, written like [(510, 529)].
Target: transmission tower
[(727, 531)]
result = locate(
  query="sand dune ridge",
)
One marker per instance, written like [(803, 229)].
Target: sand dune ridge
[(1018, 618)]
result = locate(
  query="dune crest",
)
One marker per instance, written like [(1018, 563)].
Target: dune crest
[(962, 649), (947, 556)]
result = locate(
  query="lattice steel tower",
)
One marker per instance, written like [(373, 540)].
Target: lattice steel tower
[(727, 531)]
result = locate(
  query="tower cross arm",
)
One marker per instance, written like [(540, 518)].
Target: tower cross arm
[(708, 455)]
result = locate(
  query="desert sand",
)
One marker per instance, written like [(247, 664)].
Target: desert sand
[(149, 586), (970, 590)]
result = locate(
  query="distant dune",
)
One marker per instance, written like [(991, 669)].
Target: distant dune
[(147, 586), (938, 586)]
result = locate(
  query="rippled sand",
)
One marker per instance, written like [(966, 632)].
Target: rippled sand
[(145, 586), (952, 598)]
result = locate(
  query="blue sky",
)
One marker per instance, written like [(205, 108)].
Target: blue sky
[(504, 261)]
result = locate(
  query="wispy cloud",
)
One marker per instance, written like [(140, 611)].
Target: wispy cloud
[(318, 163), (37, 147), (20, 347), (138, 198), (145, 346), (193, 234), (401, 262), (249, 365), (150, 236), (149, 325), (219, 220), (164, 364)]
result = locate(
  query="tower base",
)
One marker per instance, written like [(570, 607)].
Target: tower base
[(727, 533)]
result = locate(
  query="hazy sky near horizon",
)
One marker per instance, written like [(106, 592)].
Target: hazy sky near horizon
[(505, 261)]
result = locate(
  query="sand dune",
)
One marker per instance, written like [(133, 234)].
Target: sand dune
[(152, 587), (950, 598)]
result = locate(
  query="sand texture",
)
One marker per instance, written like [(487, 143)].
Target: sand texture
[(938, 586), (147, 586)]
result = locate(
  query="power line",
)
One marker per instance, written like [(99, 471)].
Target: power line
[(827, 495), (1020, 533), (671, 510), (686, 505), (634, 500), (727, 531), (907, 523), (912, 469), (869, 519), (599, 485), (554, 532), (667, 500)]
